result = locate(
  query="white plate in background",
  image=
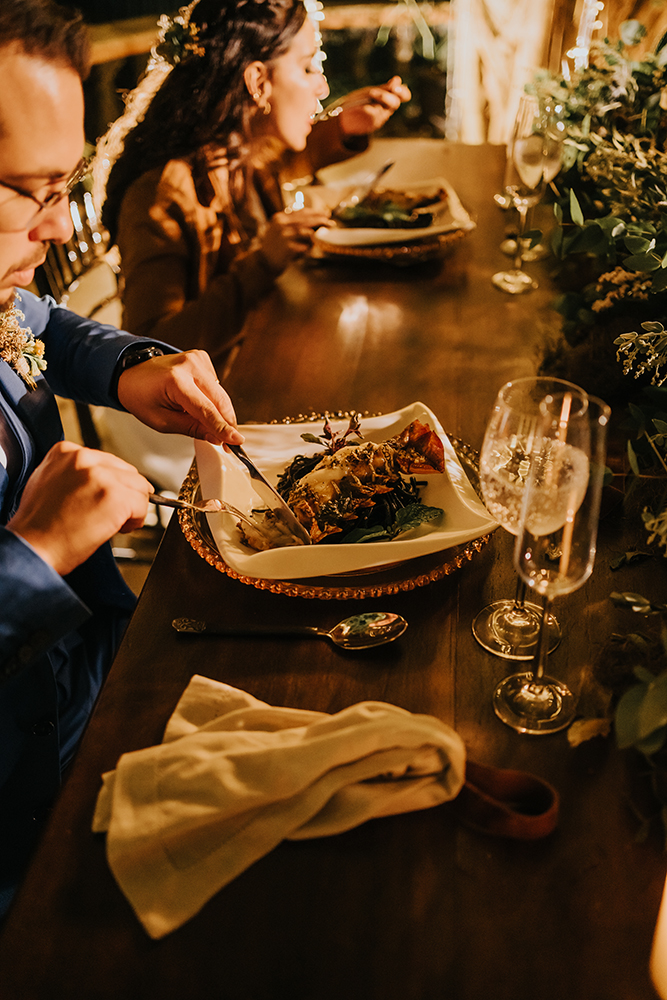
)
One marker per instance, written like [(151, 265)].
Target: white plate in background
[(452, 217)]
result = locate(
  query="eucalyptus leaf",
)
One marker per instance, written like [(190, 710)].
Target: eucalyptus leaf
[(589, 239), (653, 742), (653, 708), (637, 244), (642, 262), (659, 280), (557, 242), (575, 209), (632, 458), (626, 718), (639, 416)]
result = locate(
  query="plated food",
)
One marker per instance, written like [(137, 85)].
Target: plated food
[(448, 219), (274, 446), (355, 490), (395, 209)]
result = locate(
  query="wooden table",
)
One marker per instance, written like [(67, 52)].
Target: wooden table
[(415, 907)]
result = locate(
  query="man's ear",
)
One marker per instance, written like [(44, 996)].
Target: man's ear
[(256, 77)]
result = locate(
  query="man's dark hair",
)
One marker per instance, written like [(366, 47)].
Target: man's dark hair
[(46, 29)]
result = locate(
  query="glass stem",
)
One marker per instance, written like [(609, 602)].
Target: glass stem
[(542, 643), (523, 211), (520, 596)]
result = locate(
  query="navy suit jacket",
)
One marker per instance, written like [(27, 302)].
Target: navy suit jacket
[(57, 635)]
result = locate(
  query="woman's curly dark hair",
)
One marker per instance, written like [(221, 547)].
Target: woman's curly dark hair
[(203, 103)]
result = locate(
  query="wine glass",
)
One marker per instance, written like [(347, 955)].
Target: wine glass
[(510, 628), (552, 120), (555, 547), (534, 158)]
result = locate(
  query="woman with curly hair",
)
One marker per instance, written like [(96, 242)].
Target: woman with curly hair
[(193, 200)]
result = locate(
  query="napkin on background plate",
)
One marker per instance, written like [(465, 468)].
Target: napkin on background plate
[(235, 776)]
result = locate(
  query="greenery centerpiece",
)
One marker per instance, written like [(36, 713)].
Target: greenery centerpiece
[(611, 203), (610, 245)]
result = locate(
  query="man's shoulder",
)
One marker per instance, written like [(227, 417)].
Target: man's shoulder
[(36, 309)]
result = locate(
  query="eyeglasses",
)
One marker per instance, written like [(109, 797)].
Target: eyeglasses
[(19, 213)]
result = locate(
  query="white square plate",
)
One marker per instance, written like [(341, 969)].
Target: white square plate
[(273, 446), (452, 217)]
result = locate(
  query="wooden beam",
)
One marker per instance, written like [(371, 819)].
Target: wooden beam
[(120, 39)]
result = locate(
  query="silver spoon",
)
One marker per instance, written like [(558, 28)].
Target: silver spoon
[(374, 628), (203, 506)]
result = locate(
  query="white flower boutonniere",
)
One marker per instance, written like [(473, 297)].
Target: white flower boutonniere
[(18, 347)]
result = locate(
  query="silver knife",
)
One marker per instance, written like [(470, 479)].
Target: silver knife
[(270, 496)]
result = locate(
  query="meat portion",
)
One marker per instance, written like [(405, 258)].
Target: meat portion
[(345, 485)]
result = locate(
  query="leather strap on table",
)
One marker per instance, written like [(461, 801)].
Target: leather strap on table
[(506, 803)]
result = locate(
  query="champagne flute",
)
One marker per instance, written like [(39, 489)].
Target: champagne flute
[(510, 628), (555, 547), (534, 159)]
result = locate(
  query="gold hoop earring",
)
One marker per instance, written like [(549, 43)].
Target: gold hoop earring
[(267, 108)]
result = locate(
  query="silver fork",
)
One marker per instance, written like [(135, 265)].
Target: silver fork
[(204, 507), (334, 109)]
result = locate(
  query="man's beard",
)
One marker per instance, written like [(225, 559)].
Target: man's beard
[(35, 259)]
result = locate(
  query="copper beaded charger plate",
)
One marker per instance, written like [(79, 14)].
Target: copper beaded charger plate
[(392, 253), (352, 571), (344, 571)]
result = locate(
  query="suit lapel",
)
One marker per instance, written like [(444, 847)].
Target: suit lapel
[(35, 421)]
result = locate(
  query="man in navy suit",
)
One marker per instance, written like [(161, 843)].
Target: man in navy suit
[(63, 605)]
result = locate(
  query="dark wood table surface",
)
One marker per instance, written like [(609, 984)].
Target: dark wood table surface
[(415, 907)]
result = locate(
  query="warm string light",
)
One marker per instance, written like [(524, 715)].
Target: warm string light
[(588, 23), (315, 11)]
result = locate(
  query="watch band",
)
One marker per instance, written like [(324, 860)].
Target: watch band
[(138, 355)]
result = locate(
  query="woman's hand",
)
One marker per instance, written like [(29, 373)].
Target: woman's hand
[(289, 235), (368, 109)]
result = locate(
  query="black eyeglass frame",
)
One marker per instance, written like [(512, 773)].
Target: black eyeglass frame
[(79, 172)]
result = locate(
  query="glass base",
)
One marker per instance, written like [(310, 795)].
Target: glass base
[(534, 707), (512, 632), (514, 282), (538, 252), (503, 200)]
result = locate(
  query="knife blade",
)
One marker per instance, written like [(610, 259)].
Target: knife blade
[(270, 496)]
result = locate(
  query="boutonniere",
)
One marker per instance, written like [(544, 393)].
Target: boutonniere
[(18, 347)]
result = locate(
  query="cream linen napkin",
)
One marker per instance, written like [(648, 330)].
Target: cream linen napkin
[(235, 776)]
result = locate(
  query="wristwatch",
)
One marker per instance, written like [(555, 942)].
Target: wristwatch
[(138, 355)]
